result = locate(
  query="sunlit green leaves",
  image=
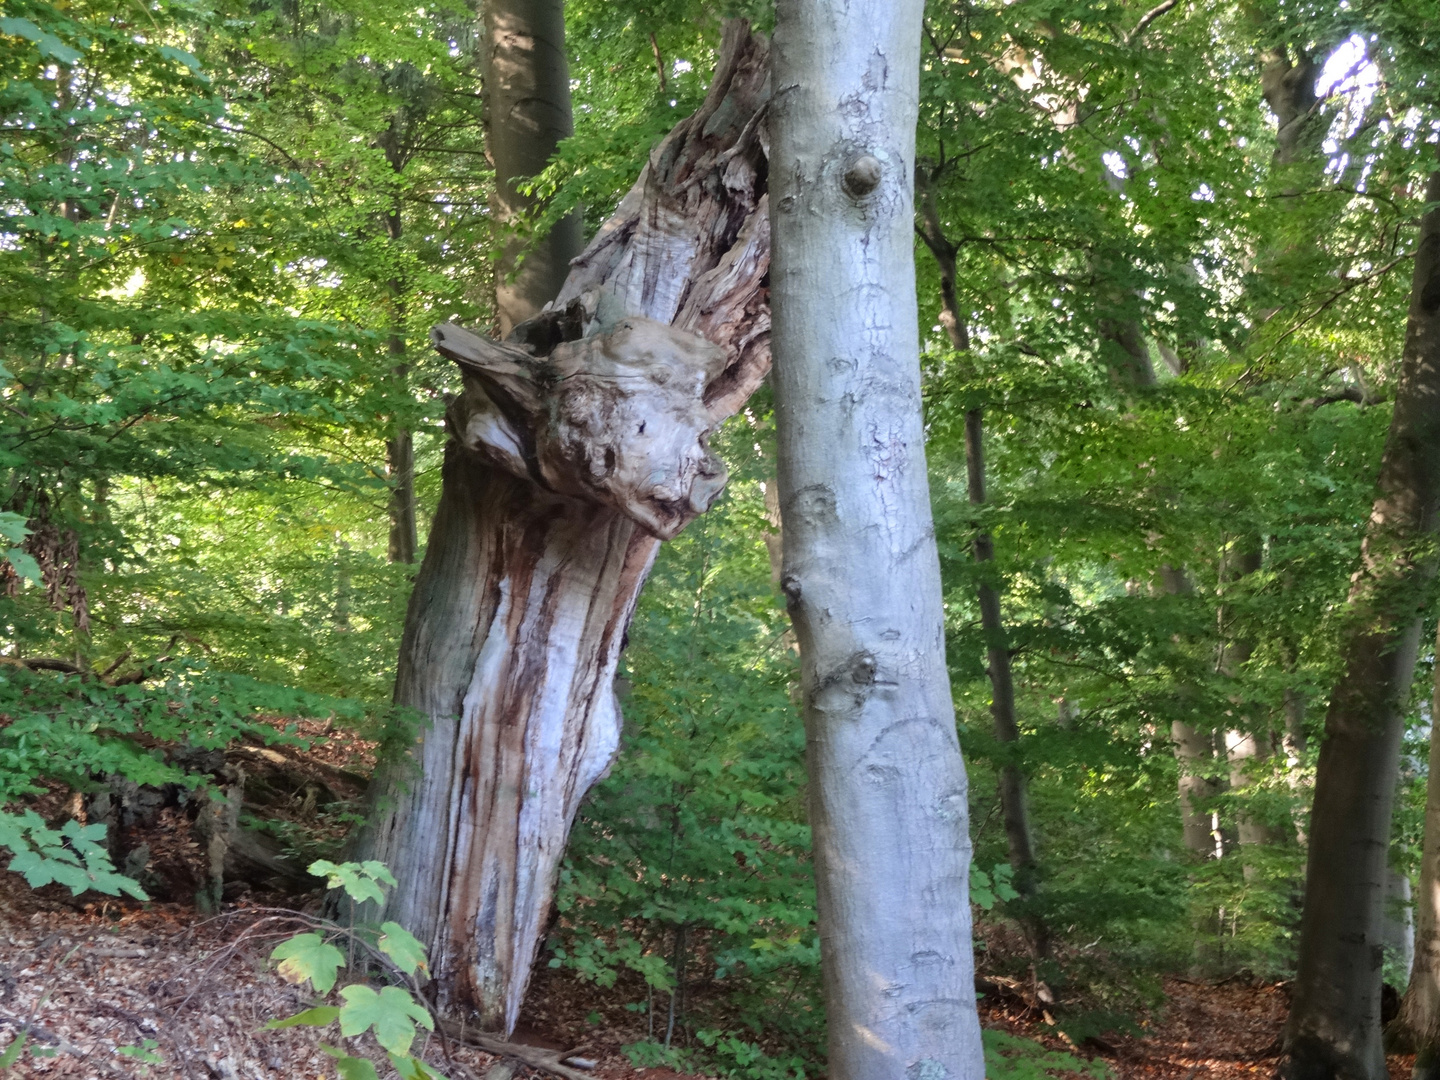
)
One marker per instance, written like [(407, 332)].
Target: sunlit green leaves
[(71, 855), (48, 44), (361, 881), (988, 887)]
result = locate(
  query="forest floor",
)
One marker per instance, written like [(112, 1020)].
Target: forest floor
[(108, 988), (91, 978)]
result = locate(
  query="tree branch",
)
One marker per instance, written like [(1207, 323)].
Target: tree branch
[(534, 1056), (1148, 18)]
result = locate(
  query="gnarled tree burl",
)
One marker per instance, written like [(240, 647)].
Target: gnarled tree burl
[(579, 444)]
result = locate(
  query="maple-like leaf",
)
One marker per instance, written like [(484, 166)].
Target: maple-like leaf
[(392, 1012), (402, 946), (307, 956)]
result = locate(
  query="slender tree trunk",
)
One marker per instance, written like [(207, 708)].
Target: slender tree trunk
[(1294, 742), (577, 444), (1420, 1011), (1397, 932), (527, 96), (400, 462), (888, 801), (340, 614), (1195, 752), (1012, 780), (1014, 801), (1334, 1025), (1131, 368), (1248, 748), (400, 447)]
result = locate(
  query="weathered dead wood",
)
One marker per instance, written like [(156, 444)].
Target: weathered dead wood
[(578, 444), (536, 1057)]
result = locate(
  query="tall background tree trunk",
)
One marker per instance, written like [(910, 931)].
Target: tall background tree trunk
[(888, 801), (1014, 808), (400, 447), (545, 533), (527, 99), (1334, 1024)]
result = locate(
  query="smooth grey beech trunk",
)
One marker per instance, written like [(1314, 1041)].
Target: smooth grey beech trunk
[(888, 802), (579, 443), (1334, 1025), (1420, 1011), (527, 113)]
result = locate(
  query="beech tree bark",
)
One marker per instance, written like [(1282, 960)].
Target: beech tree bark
[(527, 113), (1420, 1010), (578, 444), (1334, 1024), (888, 802)]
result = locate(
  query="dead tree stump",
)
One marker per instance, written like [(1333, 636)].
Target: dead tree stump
[(579, 444)]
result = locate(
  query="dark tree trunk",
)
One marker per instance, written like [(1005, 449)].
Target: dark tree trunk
[(400, 447), (400, 462), (578, 444), (1011, 777), (527, 98), (1334, 1025)]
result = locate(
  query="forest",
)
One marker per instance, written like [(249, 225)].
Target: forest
[(304, 526)]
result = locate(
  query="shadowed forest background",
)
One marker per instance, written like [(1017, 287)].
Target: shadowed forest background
[(1165, 259)]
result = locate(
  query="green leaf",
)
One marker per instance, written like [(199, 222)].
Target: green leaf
[(379, 871), (316, 1017), (392, 1012), (13, 526), (351, 1068), (357, 879), (402, 946), (412, 1068), (308, 956), (13, 1051), (48, 44), (172, 53), (145, 1052), (24, 564)]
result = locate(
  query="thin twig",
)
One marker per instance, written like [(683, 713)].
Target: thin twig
[(1350, 284)]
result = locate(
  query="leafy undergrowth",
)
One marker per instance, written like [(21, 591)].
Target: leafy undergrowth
[(114, 987), (1225, 1029), (188, 998)]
